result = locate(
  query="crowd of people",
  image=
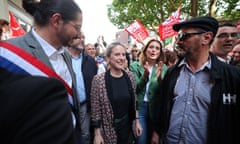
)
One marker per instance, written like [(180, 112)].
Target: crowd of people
[(68, 92)]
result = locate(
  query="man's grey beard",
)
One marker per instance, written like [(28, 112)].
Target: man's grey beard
[(78, 48)]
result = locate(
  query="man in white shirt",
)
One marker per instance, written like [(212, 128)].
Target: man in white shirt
[(224, 41), (56, 23)]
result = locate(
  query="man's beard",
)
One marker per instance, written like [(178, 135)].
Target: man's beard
[(180, 52), (78, 48)]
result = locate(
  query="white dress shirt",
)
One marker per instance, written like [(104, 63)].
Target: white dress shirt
[(55, 58)]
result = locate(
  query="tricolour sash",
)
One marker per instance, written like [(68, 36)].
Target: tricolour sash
[(19, 61)]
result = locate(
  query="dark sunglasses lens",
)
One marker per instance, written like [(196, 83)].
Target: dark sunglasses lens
[(181, 37)]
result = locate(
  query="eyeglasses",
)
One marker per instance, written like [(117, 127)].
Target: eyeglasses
[(226, 35), (184, 36), (77, 27)]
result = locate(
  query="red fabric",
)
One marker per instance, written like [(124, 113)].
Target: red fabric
[(15, 27), (34, 62), (137, 31), (165, 29)]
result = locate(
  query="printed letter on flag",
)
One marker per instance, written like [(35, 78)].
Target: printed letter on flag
[(137, 31)]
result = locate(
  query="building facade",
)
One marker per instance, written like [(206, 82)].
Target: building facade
[(15, 6)]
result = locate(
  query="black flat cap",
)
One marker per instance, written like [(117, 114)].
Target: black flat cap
[(206, 23)]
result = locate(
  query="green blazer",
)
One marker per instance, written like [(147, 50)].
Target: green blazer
[(141, 82)]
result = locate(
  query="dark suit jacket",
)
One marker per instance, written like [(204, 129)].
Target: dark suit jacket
[(89, 70), (34, 110), (31, 45)]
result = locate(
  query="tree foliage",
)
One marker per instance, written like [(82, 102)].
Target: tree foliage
[(153, 12)]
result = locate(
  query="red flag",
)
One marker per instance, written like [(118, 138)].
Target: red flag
[(165, 29), (137, 31), (16, 28)]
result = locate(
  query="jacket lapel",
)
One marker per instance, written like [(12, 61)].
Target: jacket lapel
[(36, 50)]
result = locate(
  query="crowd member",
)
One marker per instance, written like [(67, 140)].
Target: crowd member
[(103, 66), (128, 60), (236, 55), (90, 50), (26, 109), (6, 33), (56, 23), (100, 45), (113, 112), (147, 74), (134, 53), (171, 58), (85, 68), (224, 41), (199, 99)]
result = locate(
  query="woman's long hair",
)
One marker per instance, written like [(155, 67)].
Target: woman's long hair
[(143, 57)]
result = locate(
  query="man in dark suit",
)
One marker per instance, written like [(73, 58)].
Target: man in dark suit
[(85, 68), (31, 114)]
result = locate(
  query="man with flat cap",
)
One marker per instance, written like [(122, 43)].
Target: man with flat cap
[(199, 100)]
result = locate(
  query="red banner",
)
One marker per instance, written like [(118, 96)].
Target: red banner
[(165, 29), (16, 28), (137, 31)]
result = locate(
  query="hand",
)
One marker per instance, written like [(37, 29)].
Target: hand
[(138, 128), (146, 71), (159, 70), (155, 138), (98, 137)]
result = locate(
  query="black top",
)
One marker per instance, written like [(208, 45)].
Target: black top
[(121, 96)]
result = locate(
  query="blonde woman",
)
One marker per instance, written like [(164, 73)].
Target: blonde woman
[(113, 110)]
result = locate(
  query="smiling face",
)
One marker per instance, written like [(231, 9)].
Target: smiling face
[(117, 58), (70, 30)]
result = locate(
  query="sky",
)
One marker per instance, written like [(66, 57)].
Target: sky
[(95, 20)]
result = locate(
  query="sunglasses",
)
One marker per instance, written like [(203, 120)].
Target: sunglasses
[(184, 36)]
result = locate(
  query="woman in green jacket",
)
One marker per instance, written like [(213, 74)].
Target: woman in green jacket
[(148, 72)]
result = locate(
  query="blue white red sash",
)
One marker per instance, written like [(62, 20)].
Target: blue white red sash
[(17, 60)]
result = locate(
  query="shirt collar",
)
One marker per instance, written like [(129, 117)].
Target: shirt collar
[(78, 57), (48, 49), (206, 65), (224, 60)]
